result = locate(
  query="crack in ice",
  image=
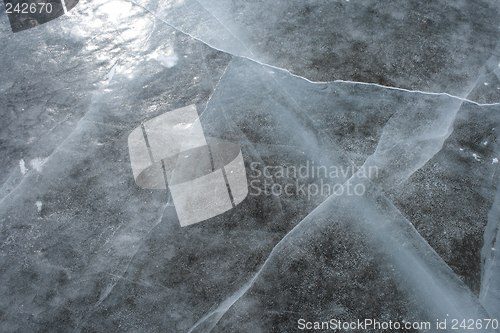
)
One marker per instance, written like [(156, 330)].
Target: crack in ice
[(301, 77), (110, 288), (223, 25)]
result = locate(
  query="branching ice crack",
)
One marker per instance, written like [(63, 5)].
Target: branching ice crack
[(228, 303), (110, 288), (70, 135), (216, 87), (215, 17)]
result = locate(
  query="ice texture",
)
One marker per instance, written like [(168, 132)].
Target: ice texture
[(433, 46), (367, 133), (490, 277), (363, 261)]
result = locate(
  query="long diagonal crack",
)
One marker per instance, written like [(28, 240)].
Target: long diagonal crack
[(110, 288), (301, 77), (225, 27), (229, 302), (218, 313)]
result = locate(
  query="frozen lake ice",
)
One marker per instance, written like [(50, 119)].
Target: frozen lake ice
[(250, 166)]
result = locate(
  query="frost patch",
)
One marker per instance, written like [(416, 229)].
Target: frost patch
[(169, 60), (22, 166), (38, 163)]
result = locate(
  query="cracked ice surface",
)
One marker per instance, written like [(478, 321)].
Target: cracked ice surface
[(434, 46), (84, 249)]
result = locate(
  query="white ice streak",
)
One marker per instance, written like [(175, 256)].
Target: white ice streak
[(38, 206), (22, 167), (411, 138)]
